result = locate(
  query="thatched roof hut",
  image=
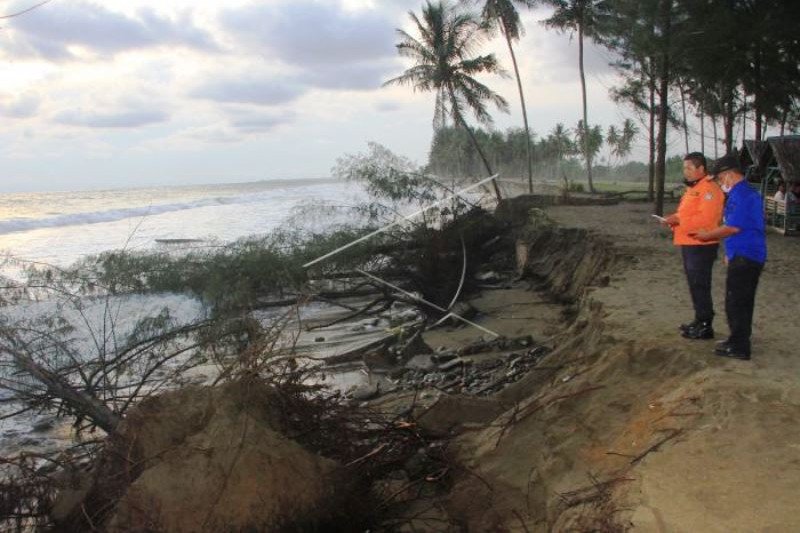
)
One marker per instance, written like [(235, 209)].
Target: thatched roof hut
[(784, 153), (751, 153)]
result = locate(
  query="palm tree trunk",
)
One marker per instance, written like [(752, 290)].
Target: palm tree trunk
[(784, 118), (757, 104), (702, 129), (586, 153), (685, 122), (651, 161), (663, 110), (729, 122), (529, 150), (460, 119), (716, 138)]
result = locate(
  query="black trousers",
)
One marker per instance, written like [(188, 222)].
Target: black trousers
[(698, 263), (740, 297)]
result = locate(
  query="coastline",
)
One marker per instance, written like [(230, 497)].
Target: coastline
[(617, 423)]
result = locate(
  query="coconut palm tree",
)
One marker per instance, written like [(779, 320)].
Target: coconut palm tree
[(580, 16), (444, 63), (626, 138), (613, 142), (503, 15)]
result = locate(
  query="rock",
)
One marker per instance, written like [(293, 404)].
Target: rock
[(414, 346), (464, 310), (44, 425), (451, 364), (378, 359), (421, 362), (443, 357), (319, 339), (487, 277), (397, 373), (365, 392)]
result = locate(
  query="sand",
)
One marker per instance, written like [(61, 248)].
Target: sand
[(738, 468), (635, 426)]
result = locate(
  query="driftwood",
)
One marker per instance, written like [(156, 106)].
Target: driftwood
[(76, 399)]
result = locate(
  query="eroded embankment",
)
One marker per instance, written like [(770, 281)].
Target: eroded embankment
[(565, 454)]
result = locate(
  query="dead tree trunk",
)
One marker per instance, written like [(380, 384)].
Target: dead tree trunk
[(77, 400)]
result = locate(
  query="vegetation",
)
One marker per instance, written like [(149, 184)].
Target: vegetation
[(718, 61), (554, 157), (503, 14), (581, 17), (444, 64)]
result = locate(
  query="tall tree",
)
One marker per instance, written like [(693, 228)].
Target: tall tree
[(612, 140), (444, 63), (589, 138), (503, 15), (643, 33), (582, 17), (626, 138), (630, 31)]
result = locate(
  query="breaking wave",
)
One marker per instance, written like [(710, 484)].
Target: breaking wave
[(12, 225)]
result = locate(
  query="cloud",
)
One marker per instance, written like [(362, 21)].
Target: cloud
[(356, 76), (132, 118), (23, 106), (259, 89), (388, 106), (258, 122), (51, 31), (556, 55), (307, 33)]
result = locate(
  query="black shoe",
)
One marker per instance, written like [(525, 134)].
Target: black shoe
[(722, 347), (702, 331), (733, 353), (690, 325)]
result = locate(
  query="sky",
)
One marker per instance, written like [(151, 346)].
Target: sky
[(128, 93)]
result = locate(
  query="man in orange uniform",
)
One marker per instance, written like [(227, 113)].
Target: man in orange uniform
[(700, 209)]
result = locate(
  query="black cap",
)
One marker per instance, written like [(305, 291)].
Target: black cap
[(726, 162)]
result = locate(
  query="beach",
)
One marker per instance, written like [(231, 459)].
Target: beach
[(589, 411), (637, 426)]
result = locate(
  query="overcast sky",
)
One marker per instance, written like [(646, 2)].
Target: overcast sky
[(125, 93)]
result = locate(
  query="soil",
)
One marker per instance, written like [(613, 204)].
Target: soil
[(626, 425)]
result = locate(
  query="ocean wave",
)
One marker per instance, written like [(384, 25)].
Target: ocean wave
[(15, 225)]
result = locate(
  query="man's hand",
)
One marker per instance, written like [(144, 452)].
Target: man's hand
[(672, 220), (702, 235)]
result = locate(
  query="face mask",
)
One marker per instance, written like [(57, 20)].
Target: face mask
[(725, 188)]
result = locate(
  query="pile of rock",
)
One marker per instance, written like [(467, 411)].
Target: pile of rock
[(481, 368)]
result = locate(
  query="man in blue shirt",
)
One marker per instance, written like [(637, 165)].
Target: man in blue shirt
[(746, 251)]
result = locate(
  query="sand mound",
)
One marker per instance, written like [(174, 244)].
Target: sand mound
[(210, 459)]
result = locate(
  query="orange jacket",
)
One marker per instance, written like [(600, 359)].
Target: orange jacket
[(700, 209)]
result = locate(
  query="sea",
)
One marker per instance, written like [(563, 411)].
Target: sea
[(59, 228)]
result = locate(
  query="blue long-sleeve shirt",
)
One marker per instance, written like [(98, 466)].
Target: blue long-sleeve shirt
[(744, 211)]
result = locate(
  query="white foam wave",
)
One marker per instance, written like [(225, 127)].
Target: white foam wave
[(13, 225)]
